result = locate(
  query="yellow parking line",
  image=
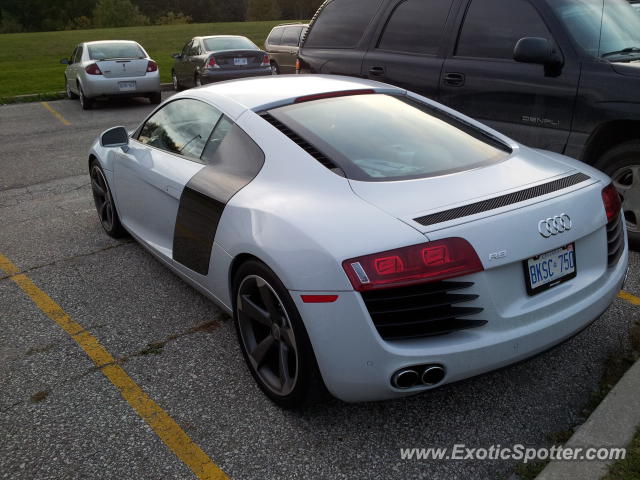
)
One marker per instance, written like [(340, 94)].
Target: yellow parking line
[(629, 298), (56, 114), (165, 427)]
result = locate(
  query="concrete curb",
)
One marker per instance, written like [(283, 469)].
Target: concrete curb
[(612, 424), (165, 87)]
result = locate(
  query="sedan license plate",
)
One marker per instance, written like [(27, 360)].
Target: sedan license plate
[(124, 86), (239, 61), (549, 269)]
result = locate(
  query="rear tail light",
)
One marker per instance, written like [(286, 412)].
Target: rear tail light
[(265, 61), (211, 63), (298, 65), (93, 69), (152, 66), (612, 203), (344, 93), (427, 262)]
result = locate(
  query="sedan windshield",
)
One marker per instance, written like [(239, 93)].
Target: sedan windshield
[(603, 28), (104, 51), (379, 137), (215, 44)]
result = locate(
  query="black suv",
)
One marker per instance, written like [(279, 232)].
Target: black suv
[(562, 75)]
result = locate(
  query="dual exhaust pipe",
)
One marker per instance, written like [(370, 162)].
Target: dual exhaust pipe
[(427, 375)]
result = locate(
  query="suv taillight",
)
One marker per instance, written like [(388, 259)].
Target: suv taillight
[(93, 69), (152, 66), (427, 262), (612, 203)]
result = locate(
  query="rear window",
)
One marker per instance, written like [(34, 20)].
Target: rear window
[(341, 23), (229, 43), (275, 36), (379, 137), (105, 51)]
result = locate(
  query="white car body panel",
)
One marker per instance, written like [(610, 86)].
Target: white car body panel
[(303, 220)]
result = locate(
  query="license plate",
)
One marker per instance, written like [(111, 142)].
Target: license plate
[(239, 61), (550, 269), (127, 86)]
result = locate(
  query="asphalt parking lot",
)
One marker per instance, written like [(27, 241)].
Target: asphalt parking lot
[(61, 417)]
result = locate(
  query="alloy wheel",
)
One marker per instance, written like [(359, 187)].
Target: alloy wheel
[(626, 180), (174, 78), (102, 198), (267, 335)]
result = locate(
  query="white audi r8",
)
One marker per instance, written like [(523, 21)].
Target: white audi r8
[(363, 237)]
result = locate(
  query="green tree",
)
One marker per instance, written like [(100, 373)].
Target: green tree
[(118, 13), (171, 18), (263, 10)]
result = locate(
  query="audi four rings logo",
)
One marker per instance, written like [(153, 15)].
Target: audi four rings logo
[(555, 225)]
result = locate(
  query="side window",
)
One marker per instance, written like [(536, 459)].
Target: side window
[(291, 36), (72, 58), (491, 31), (237, 158), (78, 56), (416, 26), (185, 49), (341, 23), (195, 49), (216, 138), (181, 127), (275, 37)]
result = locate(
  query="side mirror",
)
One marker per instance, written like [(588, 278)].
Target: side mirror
[(536, 50), (177, 56), (65, 61), (115, 137)]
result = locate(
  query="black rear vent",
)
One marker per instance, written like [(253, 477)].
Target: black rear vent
[(306, 146), (502, 201), (422, 310), (615, 240)]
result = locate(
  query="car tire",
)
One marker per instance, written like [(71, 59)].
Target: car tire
[(622, 164), (275, 69), (105, 206), (176, 83), (85, 102), (275, 345), (197, 81), (67, 88), (155, 98)]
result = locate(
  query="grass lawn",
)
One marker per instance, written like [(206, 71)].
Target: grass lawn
[(629, 468), (29, 62)]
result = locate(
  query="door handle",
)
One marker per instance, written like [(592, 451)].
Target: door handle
[(376, 71), (454, 79)]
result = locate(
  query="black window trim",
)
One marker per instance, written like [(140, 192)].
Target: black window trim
[(136, 134), (454, 53)]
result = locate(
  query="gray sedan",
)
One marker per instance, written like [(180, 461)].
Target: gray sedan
[(218, 57), (108, 69)]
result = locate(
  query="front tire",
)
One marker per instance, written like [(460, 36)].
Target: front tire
[(105, 205), (275, 70), (622, 164), (176, 83), (67, 88), (273, 339), (197, 81)]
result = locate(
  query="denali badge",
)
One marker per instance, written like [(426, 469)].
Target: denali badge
[(555, 225)]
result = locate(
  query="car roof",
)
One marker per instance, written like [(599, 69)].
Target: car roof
[(218, 36), (292, 24), (97, 42), (262, 93)]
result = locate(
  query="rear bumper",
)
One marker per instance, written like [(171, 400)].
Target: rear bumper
[(210, 76), (357, 364), (101, 86)]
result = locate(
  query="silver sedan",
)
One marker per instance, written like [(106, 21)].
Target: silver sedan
[(108, 69)]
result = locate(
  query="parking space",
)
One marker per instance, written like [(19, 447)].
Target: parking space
[(65, 418)]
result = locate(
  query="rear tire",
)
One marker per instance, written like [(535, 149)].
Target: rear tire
[(105, 206), (86, 103), (155, 98), (622, 164), (273, 339), (275, 70)]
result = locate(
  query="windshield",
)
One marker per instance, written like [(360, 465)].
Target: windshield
[(383, 137), (601, 27), (103, 51), (229, 43)]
